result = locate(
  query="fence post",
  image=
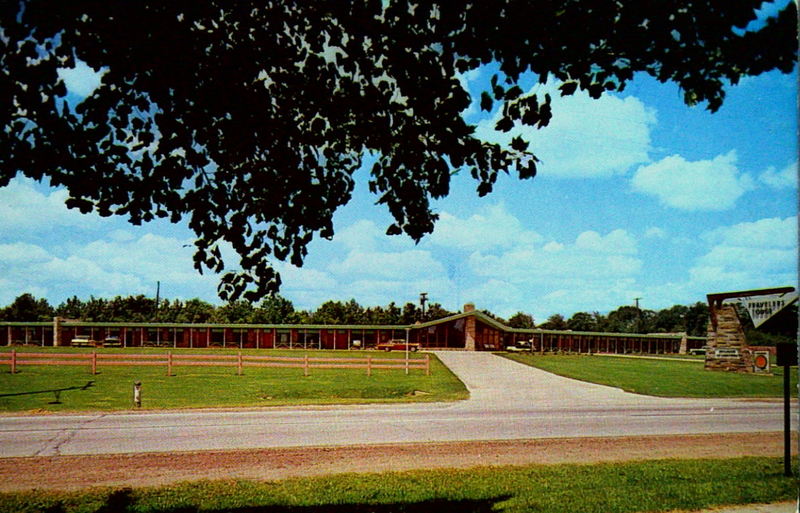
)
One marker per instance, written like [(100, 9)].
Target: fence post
[(305, 365), (13, 361), (369, 365), (239, 364), (169, 363), (94, 363), (427, 365)]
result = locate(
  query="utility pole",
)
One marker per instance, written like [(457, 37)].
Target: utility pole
[(423, 298), (158, 293), (638, 315)]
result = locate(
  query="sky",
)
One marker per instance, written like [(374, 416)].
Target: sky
[(637, 196)]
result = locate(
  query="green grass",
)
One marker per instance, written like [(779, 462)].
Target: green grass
[(665, 378), (210, 387), (603, 488)]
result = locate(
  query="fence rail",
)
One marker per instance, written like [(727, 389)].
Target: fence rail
[(240, 361)]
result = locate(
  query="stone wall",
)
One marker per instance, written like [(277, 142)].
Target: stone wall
[(728, 334)]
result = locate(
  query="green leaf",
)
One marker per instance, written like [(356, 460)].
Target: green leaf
[(519, 144), (486, 101)]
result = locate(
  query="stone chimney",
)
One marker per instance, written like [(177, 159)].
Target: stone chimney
[(469, 328)]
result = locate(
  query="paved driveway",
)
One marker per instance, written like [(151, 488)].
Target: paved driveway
[(495, 382)]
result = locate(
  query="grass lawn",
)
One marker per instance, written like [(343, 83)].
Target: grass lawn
[(604, 488), (198, 387), (665, 378)]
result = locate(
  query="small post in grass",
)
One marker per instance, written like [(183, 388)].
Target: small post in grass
[(169, 363), (239, 364), (13, 361), (305, 365), (94, 363), (369, 365), (407, 351), (137, 394)]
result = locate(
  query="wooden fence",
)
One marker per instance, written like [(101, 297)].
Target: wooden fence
[(95, 360)]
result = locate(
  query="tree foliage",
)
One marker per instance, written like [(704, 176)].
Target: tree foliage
[(521, 320), (26, 308), (247, 119)]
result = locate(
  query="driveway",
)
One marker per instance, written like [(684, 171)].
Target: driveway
[(498, 383)]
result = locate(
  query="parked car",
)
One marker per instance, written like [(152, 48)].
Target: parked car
[(397, 345), (699, 350), (82, 341), (112, 341), (519, 346)]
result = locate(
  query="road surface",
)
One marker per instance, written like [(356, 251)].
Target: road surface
[(508, 401)]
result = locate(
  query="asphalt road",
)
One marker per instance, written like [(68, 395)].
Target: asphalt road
[(508, 401)]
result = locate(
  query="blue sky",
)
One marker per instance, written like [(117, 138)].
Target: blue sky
[(637, 196)]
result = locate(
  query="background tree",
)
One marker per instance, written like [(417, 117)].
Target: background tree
[(26, 308), (670, 320), (388, 315), (410, 314), (697, 319), (234, 312), (583, 321), (250, 124), (195, 311), (274, 309), (521, 320), (630, 319), (71, 308), (554, 322), (436, 311)]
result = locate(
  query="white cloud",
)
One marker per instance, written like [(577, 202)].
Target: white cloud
[(21, 253), (786, 178), (506, 297), (585, 137), (654, 232), (749, 255), (591, 271), (592, 260), (24, 208), (403, 264), (618, 241), (701, 185), (492, 227), (106, 267), (89, 277), (765, 233)]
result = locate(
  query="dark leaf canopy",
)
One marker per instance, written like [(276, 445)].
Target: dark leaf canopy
[(246, 119)]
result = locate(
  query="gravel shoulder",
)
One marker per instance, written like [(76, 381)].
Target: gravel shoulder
[(154, 469)]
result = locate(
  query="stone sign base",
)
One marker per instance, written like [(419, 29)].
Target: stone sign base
[(727, 346)]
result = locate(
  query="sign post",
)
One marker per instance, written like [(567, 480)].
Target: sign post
[(786, 358)]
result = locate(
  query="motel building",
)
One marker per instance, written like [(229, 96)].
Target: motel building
[(471, 330)]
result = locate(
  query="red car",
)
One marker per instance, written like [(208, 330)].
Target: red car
[(397, 345)]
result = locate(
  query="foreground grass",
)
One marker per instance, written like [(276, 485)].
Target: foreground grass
[(605, 488), (208, 387), (665, 378)]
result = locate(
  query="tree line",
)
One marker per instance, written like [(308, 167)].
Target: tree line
[(692, 319), (271, 310)]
